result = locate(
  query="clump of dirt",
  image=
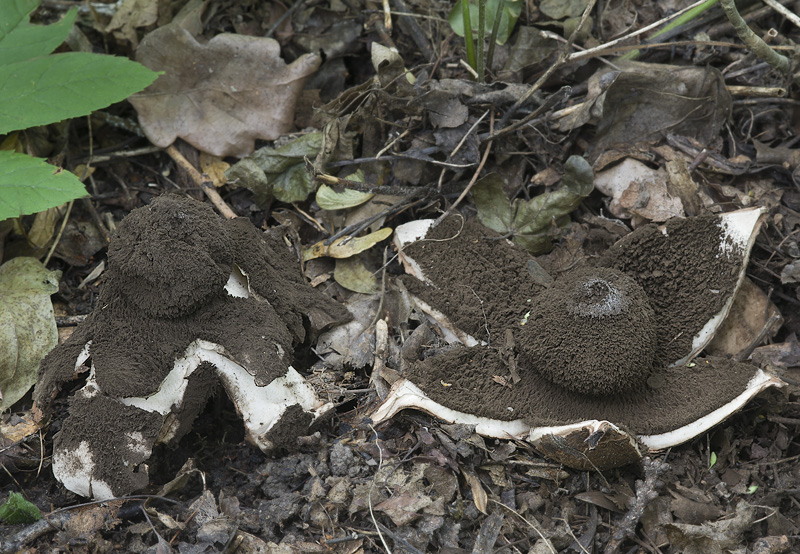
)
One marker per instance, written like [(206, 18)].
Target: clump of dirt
[(593, 332), (481, 308), (685, 272)]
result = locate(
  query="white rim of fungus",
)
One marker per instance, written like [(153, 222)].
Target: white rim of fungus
[(759, 382), (406, 234), (238, 284), (405, 394)]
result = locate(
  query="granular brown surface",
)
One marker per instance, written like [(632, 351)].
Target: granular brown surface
[(457, 257), (686, 394), (164, 289), (592, 332), (685, 273)]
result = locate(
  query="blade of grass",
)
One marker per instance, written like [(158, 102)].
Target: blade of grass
[(685, 18), (481, 40), (495, 29), (468, 39)]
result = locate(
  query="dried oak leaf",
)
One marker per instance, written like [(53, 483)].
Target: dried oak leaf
[(219, 96)]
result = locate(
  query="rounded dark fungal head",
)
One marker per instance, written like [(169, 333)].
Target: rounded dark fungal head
[(593, 332)]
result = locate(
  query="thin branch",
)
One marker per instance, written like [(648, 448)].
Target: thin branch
[(753, 41)]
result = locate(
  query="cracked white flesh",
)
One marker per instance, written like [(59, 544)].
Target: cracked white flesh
[(74, 469), (404, 394)]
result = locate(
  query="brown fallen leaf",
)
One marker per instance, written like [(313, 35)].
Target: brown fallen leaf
[(219, 96)]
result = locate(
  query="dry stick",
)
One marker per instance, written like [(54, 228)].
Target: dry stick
[(575, 56), (646, 491), (201, 181), (563, 57), (472, 181), (784, 11), (753, 41)]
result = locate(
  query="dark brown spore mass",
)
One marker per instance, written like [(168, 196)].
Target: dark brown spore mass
[(463, 379), (685, 274), (482, 307), (592, 332)]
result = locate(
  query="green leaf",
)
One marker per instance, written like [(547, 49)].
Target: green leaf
[(712, 460), (494, 209), (278, 172), (29, 185), (50, 89), (19, 40), (329, 199), (529, 220), (18, 510), (508, 18)]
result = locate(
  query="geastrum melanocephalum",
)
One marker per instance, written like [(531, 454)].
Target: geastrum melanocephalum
[(604, 367), (189, 299)]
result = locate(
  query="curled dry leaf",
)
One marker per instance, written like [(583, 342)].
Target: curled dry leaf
[(219, 96)]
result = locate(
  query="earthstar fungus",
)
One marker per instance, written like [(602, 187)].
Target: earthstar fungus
[(189, 300), (604, 354)]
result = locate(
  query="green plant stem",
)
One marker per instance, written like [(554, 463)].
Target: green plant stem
[(753, 41), (678, 21), (468, 41), (480, 68), (495, 29)]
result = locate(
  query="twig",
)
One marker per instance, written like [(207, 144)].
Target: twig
[(472, 181), (369, 493), (562, 58), (784, 11), (646, 491), (58, 236), (202, 181), (753, 41), (575, 56), (744, 354), (287, 14)]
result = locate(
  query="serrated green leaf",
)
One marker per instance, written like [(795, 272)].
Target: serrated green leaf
[(19, 40), (18, 510), (53, 88), (508, 18), (29, 185)]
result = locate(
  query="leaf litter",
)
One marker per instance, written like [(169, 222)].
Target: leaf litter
[(419, 132)]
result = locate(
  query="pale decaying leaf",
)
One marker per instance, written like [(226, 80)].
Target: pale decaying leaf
[(27, 324), (219, 96), (638, 190), (345, 247), (329, 199), (133, 14)]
